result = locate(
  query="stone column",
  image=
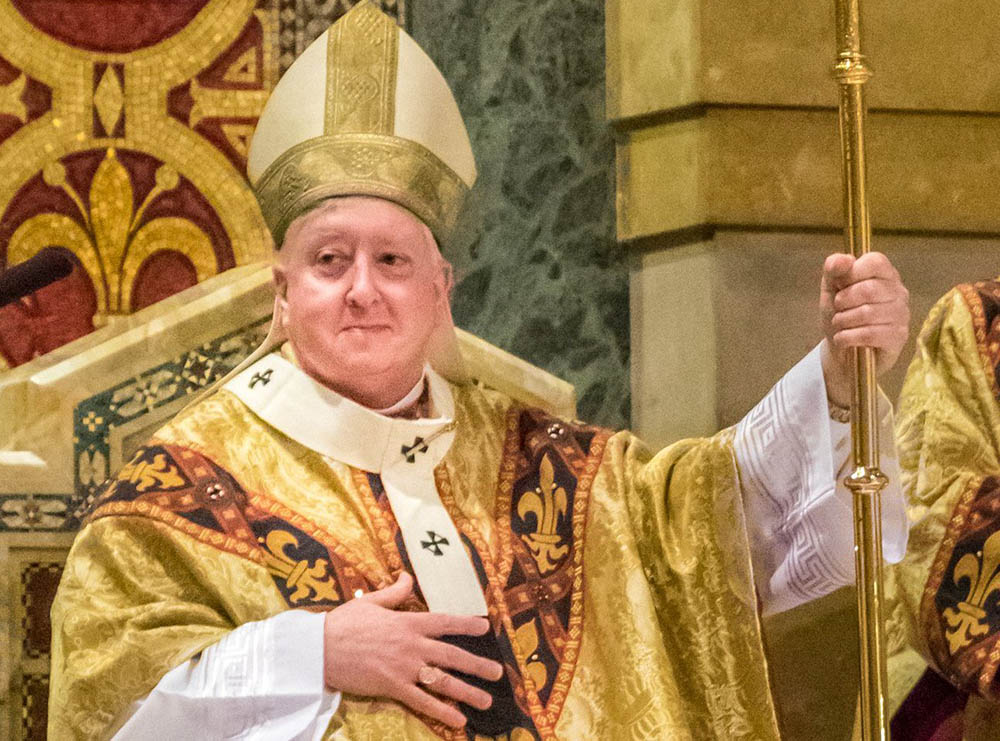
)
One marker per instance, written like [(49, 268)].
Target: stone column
[(729, 192)]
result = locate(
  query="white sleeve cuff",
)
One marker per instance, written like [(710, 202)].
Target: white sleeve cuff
[(263, 680), (793, 458)]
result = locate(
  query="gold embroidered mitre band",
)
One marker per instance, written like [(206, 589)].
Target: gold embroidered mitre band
[(363, 111)]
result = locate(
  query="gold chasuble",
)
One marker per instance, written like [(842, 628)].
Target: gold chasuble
[(617, 582), (947, 590)]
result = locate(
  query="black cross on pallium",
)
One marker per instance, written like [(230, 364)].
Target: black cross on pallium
[(434, 544), (419, 446), (264, 378)]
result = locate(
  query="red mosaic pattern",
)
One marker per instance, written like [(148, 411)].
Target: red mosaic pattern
[(36, 98), (229, 78), (97, 25), (240, 70)]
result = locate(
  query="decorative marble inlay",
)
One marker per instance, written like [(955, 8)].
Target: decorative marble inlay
[(541, 274), (39, 581), (32, 512), (94, 418)]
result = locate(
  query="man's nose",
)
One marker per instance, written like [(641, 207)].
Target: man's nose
[(363, 289)]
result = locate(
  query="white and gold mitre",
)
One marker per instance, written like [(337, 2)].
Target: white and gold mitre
[(363, 111)]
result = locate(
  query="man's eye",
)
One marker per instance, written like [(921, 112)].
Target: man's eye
[(391, 259), (327, 258)]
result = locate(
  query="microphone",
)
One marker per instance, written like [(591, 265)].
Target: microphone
[(47, 266)]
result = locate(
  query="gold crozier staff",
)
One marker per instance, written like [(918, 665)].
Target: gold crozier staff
[(867, 481)]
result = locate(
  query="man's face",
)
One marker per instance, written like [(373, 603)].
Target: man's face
[(362, 288)]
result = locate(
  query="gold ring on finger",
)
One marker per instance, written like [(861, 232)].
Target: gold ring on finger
[(429, 675)]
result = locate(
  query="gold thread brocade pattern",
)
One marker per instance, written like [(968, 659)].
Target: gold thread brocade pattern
[(361, 80), (662, 639), (140, 578), (378, 165), (943, 595), (358, 153)]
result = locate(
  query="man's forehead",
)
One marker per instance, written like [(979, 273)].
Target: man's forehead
[(373, 218), (366, 209)]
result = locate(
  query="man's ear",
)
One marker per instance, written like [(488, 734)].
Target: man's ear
[(444, 285), (448, 274), (280, 280)]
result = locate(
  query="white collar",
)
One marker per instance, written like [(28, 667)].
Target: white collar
[(407, 401), (324, 421)]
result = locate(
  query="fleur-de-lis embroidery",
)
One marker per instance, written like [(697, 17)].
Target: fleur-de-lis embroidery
[(144, 475), (109, 238), (982, 570), (298, 574), (547, 503), (526, 638)]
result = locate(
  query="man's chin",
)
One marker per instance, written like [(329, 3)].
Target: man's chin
[(348, 365), (352, 367)]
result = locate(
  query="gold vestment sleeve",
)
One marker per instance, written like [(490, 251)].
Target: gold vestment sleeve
[(136, 600), (685, 577), (948, 437)]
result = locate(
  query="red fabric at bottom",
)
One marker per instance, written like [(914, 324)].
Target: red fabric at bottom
[(933, 711)]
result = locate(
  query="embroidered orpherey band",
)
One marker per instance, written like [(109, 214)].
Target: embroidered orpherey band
[(958, 609), (363, 53), (983, 301)]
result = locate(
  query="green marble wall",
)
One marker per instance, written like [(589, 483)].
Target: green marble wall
[(540, 273)]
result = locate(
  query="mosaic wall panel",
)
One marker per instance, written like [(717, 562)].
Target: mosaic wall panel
[(128, 150), (30, 568), (34, 707), (541, 274)]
